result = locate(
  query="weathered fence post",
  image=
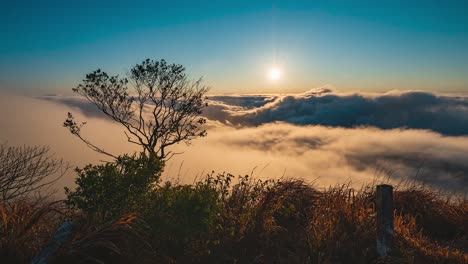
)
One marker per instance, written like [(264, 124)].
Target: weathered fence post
[(384, 207)]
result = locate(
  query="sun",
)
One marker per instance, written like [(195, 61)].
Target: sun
[(274, 74)]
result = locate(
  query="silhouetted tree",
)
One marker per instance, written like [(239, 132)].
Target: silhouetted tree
[(27, 170), (157, 105)]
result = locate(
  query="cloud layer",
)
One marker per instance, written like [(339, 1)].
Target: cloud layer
[(320, 136), (445, 114), (362, 153)]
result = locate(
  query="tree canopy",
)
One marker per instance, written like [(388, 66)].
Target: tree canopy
[(156, 104)]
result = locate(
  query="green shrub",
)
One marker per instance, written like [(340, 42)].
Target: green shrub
[(182, 218), (109, 190)]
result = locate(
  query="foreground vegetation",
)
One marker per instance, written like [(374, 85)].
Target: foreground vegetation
[(227, 219)]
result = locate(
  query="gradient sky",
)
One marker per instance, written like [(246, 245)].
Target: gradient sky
[(48, 46)]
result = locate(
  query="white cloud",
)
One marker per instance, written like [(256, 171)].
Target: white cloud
[(446, 114), (327, 155)]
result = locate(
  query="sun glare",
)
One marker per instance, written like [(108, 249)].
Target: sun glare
[(274, 74)]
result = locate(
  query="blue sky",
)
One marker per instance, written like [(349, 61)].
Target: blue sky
[(48, 46)]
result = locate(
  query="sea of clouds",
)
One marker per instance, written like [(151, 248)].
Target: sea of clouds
[(323, 136), (445, 114)]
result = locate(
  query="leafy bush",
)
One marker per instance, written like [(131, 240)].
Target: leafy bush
[(107, 191), (182, 219), (179, 216)]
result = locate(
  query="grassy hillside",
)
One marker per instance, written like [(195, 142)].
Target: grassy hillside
[(227, 219)]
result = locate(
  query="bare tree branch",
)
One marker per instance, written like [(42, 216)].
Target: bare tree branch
[(75, 129), (26, 171)]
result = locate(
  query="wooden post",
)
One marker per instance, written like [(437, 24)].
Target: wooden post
[(385, 232)]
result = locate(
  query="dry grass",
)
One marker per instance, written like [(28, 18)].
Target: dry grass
[(25, 227), (120, 241), (287, 221), (290, 221)]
